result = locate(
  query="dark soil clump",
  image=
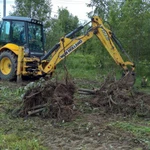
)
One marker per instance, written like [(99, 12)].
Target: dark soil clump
[(53, 100), (114, 97), (56, 100)]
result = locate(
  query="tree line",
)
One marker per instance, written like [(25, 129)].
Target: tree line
[(128, 19)]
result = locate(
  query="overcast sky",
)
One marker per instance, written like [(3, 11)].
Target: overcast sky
[(76, 7), (8, 7)]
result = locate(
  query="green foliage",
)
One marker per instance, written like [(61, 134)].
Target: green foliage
[(14, 142), (38, 9), (15, 133), (6, 93), (100, 8), (61, 26), (141, 132), (79, 65), (86, 66), (78, 60), (143, 68), (130, 22), (67, 21), (135, 20), (53, 34), (136, 129)]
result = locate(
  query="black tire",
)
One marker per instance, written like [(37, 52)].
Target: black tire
[(8, 65)]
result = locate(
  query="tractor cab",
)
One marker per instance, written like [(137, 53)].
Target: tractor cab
[(23, 31)]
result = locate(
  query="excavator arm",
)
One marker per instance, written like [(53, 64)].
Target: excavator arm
[(108, 39), (68, 45)]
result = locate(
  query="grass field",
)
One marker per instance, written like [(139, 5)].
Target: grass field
[(90, 130)]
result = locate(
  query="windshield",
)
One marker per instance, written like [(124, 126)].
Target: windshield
[(35, 38)]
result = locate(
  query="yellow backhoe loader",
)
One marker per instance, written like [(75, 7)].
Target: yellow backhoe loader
[(22, 47)]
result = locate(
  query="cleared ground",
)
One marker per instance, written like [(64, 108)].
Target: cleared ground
[(93, 125)]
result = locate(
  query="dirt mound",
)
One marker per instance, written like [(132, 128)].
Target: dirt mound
[(54, 100), (114, 97)]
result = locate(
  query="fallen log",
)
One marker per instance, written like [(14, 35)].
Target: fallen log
[(87, 91), (35, 111)]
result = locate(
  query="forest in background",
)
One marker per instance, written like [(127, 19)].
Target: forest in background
[(111, 117), (128, 19)]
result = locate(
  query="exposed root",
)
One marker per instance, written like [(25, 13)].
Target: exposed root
[(49, 100), (114, 97)]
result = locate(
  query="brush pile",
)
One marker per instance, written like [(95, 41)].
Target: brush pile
[(56, 100), (49, 99), (113, 97)]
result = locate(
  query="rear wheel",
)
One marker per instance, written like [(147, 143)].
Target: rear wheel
[(8, 65)]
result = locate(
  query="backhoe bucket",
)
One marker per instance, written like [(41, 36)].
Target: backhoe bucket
[(128, 79)]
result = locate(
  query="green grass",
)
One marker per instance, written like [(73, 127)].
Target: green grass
[(14, 142), (134, 128), (140, 130), (15, 133), (78, 65), (86, 67), (20, 134)]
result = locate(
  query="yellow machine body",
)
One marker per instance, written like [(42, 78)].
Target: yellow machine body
[(65, 47)]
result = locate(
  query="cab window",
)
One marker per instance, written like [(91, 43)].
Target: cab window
[(5, 31), (35, 37), (18, 32)]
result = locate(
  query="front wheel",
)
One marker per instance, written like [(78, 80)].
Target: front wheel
[(8, 65)]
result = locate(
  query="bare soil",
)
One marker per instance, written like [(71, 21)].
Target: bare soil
[(63, 119), (83, 122)]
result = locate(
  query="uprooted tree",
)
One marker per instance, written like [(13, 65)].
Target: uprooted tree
[(56, 100)]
